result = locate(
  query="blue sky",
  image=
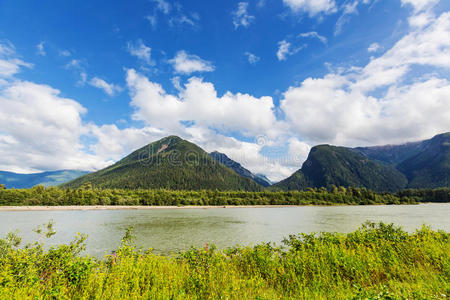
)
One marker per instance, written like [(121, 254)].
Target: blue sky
[(83, 83)]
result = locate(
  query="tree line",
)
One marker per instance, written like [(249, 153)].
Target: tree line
[(87, 195)]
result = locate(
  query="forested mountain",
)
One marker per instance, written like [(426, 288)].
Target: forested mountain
[(171, 163), (238, 168), (424, 164), (21, 181), (329, 165)]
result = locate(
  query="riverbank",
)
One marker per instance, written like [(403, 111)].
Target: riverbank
[(135, 207), (377, 261)]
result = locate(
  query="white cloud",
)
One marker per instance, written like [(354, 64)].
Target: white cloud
[(285, 50), (199, 102), (40, 49), (312, 7), (241, 17), (9, 63), (313, 34), (163, 6), (77, 66), (141, 51), (65, 53), (40, 130), (374, 47), (153, 20), (252, 58), (340, 107), (420, 5), (185, 63), (109, 88)]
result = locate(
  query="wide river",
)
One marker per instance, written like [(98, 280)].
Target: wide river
[(171, 230)]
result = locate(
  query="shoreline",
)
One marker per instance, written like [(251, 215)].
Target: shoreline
[(153, 207), (135, 207)]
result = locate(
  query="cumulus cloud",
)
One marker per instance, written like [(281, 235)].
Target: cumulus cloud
[(141, 51), (312, 7), (252, 58), (340, 108), (185, 63), (241, 17), (76, 65), (109, 88), (198, 102)]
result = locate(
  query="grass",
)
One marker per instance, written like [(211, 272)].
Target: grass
[(377, 261)]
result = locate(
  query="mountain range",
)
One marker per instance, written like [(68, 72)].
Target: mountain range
[(52, 178), (174, 163), (424, 164)]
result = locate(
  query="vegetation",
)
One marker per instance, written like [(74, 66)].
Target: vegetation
[(424, 164), (377, 261), (87, 195), (170, 163)]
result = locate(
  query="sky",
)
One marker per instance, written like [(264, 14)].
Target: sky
[(84, 83)]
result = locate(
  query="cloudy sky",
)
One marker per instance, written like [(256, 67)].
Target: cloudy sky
[(83, 83)]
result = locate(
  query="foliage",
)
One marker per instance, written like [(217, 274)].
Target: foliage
[(377, 261), (87, 195)]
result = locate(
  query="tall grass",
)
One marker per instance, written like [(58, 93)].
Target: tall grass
[(377, 261)]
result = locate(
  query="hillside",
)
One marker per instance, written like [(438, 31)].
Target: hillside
[(424, 164), (171, 163), (329, 165), (238, 168), (52, 178)]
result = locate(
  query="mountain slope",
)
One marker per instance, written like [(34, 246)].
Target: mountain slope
[(329, 165), (429, 168), (53, 178), (171, 163), (238, 168)]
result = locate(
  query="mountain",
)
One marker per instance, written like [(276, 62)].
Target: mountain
[(53, 178), (424, 164), (330, 165), (264, 178), (171, 163), (238, 168)]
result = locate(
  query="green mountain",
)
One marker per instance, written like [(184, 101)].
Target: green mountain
[(23, 181), (329, 165), (238, 168), (171, 163), (424, 164)]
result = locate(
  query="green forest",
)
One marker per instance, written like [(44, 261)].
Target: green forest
[(377, 261), (87, 195)]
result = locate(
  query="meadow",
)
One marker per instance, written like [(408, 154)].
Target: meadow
[(377, 261)]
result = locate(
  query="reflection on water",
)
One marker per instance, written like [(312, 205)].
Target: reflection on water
[(170, 230)]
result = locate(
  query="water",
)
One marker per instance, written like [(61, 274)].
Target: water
[(171, 230)]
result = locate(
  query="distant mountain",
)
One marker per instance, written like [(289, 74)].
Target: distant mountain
[(238, 168), (171, 163), (424, 164), (52, 178), (329, 165), (264, 178)]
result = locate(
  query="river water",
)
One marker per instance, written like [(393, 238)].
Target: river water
[(171, 230)]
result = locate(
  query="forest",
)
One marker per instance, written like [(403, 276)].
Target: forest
[(87, 195)]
